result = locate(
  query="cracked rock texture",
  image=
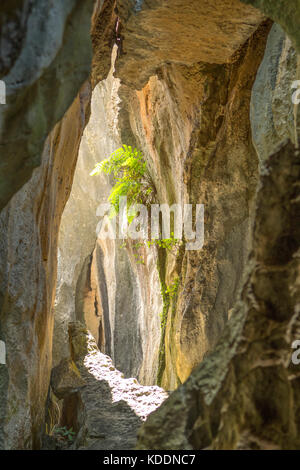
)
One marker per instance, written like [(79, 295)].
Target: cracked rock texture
[(192, 124), (45, 59), (107, 412), (273, 114), (191, 97), (28, 246), (173, 31), (245, 395)]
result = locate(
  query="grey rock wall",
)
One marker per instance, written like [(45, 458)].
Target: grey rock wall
[(46, 55)]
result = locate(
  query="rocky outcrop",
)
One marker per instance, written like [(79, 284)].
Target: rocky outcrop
[(184, 98), (66, 379), (287, 14), (272, 110), (177, 32), (245, 394), (107, 412), (194, 128), (77, 235), (40, 67), (119, 299), (100, 283), (29, 231)]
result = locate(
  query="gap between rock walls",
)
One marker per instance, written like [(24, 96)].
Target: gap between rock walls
[(138, 326)]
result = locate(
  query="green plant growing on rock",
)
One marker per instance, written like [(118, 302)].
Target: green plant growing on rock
[(168, 293), (131, 178), (166, 243), (64, 434)]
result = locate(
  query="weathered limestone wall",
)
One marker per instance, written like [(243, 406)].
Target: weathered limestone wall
[(245, 395), (192, 109), (46, 55), (28, 251), (77, 234), (192, 124), (287, 14), (100, 282)]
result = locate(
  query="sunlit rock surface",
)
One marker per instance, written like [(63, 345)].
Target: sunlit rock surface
[(77, 234), (287, 14), (245, 395), (180, 32), (100, 282), (110, 408), (28, 252), (190, 118), (272, 109)]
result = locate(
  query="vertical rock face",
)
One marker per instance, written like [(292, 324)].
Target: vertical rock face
[(100, 282), (287, 14), (187, 76), (78, 226), (29, 230), (193, 125), (272, 109), (103, 407), (245, 394), (180, 32), (40, 66)]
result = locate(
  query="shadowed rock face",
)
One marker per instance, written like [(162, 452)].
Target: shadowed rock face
[(193, 126), (195, 72), (173, 31), (109, 409), (287, 14), (246, 394), (118, 299), (28, 250), (46, 56)]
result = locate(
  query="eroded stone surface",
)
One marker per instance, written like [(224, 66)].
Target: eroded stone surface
[(118, 299), (28, 246), (193, 125), (245, 395), (43, 72), (112, 407), (77, 235), (272, 110), (65, 378), (287, 14), (173, 31)]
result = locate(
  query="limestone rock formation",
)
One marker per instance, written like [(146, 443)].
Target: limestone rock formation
[(287, 14), (272, 110), (193, 125), (233, 399), (77, 234), (246, 394), (107, 412), (28, 246), (173, 31), (65, 378), (206, 95), (100, 283), (43, 73)]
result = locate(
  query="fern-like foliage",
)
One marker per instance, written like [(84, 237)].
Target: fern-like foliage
[(131, 179)]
